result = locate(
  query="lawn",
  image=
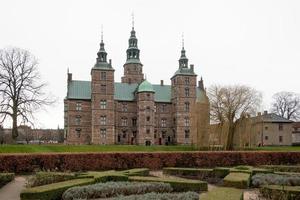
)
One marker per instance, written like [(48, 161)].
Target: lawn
[(89, 148)]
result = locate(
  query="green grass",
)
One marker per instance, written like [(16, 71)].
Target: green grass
[(223, 193), (89, 148)]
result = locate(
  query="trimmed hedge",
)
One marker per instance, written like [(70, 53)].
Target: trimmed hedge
[(6, 178), (152, 160), (44, 178), (178, 185), (277, 192), (237, 180), (198, 172), (275, 179), (136, 172), (221, 172), (164, 196), (223, 193), (113, 189), (52, 191), (283, 168)]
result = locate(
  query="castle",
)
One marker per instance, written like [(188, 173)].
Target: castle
[(134, 111)]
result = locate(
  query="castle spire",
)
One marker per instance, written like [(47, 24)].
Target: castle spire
[(183, 61), (133, 52), (101, 60)]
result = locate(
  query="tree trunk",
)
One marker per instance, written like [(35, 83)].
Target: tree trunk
[(231, 129), (15, 133)]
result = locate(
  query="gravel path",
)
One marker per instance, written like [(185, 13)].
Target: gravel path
[(12, 190)]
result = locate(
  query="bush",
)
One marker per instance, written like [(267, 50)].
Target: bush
[(178, 185), (6, 178), (275, 179), (277, 192), (153, 160), (105, 177), (163, 196), (198, 172), (44, 178), (283, 168), (113, 189), (52, 191), (221, 172), (223, 193), (237, 180), (136, 172)]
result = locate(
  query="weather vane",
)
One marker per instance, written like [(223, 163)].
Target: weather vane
[(132, 18), (182, 40), (101, 32)]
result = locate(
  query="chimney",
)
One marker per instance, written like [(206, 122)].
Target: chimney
[(69, 77), (265, 112), (192, 67), (259, 114), (110, 61), (161, 82)]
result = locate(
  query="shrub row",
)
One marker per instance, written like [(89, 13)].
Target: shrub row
[(120, 161), (136, 172), (223, 193), (197, 172), (113, 189), (275, 179), (237, 180), (6, 178), (283, 168), (178, 185), (53, 191), (277, 192), (164, 196), (43, 178)]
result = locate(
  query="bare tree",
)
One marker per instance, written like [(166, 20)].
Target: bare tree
[(286, 104), (229, 104), (21, 93)]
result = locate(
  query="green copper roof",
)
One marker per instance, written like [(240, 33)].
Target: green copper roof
[(123, 91), (145, 86), (185, 71), (133, 60)]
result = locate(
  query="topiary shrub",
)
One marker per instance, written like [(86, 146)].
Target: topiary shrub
[(136, 172), (277, 192), (44, 178), (163, 196), (52, 191), (178, 185), (275, 179), (237, 180), (113, 189), (6, 178)]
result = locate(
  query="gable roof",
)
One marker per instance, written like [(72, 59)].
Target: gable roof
[(273, 118), (123, 91)]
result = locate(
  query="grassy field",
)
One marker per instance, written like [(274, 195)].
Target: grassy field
[(88, 148), (115, 148)]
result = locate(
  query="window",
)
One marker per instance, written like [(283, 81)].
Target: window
[(103, 89), (124, 134), (163, 122), (148, 131), (103, 133), (77, 120), (187, 92), (103, 75), (186, 106), (148, 118), (280, 138), (163, 108), (78, 106), (186, 121), (133, 121), (148, 108), (103, 104), (266, 128), (124, 121), (78, 132), (187, 80), (103, 120), (266, 137), (124, 107), (280, 127), (187, 133)]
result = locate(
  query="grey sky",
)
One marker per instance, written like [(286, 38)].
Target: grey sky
[(252, 42)]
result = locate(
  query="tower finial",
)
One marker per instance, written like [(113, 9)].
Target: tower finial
[(101, 32), (182, 37), (132, 18)]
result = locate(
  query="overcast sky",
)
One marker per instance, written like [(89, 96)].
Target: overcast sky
[(251, 42)]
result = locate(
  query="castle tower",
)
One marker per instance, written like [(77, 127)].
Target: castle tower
[(183, 96), (102, 90), (200, 118), (145, 113), (133, 68)]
